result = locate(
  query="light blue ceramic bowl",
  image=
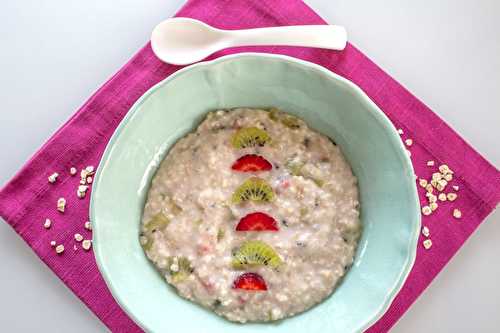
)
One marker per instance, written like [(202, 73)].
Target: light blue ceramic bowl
[(331, 105)]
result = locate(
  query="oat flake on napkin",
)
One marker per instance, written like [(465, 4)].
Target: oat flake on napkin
[(28, 199)]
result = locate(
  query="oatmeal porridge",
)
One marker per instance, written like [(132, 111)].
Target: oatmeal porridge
[(254, 215)]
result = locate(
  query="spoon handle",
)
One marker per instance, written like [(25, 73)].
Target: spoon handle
[(323, 36)]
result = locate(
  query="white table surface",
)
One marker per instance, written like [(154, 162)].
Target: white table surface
[(55, 54)]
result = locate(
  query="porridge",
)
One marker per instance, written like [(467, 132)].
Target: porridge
[(254, 215)]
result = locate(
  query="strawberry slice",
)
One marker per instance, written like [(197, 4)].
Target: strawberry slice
[(250, 281), (251, 163), (257, 222)]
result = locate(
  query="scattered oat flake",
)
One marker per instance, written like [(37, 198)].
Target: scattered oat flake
[(455, 187), (408, 142), (426, 210), (425, 231), (83, 175), (88, 226), (429, 188), (427, 244), (457, 213), (422, 182), (441, 185), (61, 204), (437, 176), (89, 169), (432, 198), (72, 171), (82, 189), (443, 168), (89, 180), (78, 237), (47, 223), (53, 177), (86, 244), (52, 243), (430, 163), (448, 177), (433, 206), (400, 131), (59, 249), (452, 196), (442, 196)]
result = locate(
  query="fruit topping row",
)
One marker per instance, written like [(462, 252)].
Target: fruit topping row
[(253, 253)]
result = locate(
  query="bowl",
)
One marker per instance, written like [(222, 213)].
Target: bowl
[(328, 103)]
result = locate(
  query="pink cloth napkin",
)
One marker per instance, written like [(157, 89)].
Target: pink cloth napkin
[(28, 198)]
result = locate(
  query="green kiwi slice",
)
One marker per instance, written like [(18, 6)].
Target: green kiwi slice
[(183, 271), (254, 189), (220, 234), (158, 222), (286, 119), (294, 166), (255, 253), (290, 121), (250, 137), (146, 242), (274, 114)]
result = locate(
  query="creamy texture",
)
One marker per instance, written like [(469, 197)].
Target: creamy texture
[(316, 207)]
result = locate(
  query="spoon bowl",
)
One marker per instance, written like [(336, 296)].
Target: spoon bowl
[(182, 41)]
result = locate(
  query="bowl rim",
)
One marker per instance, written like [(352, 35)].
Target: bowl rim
[(379, 115)]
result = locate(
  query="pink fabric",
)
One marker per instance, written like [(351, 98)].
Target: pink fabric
[(28, 198)]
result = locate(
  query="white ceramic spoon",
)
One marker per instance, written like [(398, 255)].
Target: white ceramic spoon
[(182, 41)]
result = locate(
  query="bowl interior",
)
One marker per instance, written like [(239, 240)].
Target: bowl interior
[(331, 105)]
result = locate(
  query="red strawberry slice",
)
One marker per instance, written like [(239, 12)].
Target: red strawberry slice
[(257, 222), (250, 281), (251, 163)]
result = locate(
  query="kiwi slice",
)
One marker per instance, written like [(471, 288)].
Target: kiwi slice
[(250, 137), (172, 207), (294, 166), (318, 182), (286, 119), (303, 211), (220, 234), (146, 242), (269, 315), (176, 209), (158, 222), (290, 121), (254, 189), (182, 271), (274, 114), (255, 253)]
